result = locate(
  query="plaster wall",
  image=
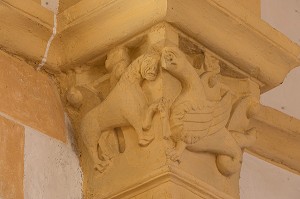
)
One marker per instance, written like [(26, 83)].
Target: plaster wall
[(37, 160), (51, 168), (260, 179)]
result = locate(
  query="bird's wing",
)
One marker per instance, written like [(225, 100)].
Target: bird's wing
[(221, 114), (192, 122)]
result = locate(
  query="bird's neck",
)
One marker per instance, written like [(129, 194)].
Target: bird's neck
[(191, 82)]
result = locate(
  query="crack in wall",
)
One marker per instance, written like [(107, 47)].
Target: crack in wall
[(54, 31)]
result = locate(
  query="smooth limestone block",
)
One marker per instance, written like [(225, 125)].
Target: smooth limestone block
[(251, 5), (11, 159), (30, 97)]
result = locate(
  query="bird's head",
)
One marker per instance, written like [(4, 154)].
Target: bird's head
[(172, 60)]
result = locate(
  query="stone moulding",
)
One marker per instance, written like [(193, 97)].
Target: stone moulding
[(32, 10), (273, 135), (174, 175), (257, 60), (229, 30), (29, 19)]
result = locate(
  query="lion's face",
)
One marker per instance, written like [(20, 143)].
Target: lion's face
[(149, 67)]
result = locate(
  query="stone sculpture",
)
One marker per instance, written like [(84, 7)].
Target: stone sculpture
[(202, 118), (239, 121), (199, 115), (126, 105)]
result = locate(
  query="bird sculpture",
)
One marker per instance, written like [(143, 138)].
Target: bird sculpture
[(195, 122)]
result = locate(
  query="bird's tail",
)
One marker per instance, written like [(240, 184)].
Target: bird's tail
[(228, 165)]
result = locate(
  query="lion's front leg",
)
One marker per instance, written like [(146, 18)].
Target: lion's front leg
[(90, 135), (147, 121), (158, 105)]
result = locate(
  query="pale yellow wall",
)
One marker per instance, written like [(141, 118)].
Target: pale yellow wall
[(252, 5), (37, 160), (262, 180), (11, 159), (31, 97)]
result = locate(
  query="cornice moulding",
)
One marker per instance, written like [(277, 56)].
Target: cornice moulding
[(222, 26), (174, 175), (33, 11), (25, 29), (278, 138), (91, 28), (237, 35)]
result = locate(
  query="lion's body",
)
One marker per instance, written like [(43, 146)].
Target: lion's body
[(126, 105)]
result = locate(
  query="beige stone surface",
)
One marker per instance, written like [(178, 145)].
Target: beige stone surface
[(114, 22), (278, 138), (65, 4), (29, 19), (12, 159), (173, 189), (27, 9), (252, 5), (237, 20), (30, 97)]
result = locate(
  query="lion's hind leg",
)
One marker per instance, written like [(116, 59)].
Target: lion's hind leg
[(105, 150), (90, 136), (144, 137)]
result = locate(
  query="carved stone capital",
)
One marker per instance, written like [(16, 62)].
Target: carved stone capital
[(161, 109)]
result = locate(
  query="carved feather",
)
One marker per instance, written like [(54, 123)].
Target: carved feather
[(196, 123)]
